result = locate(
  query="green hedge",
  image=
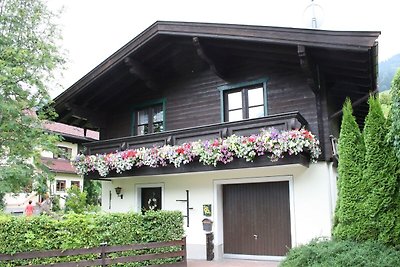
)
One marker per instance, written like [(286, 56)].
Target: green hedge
[(19, 234), (342, 254)]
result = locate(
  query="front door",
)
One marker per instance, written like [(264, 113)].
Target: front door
[(151, 198), (257, 218)]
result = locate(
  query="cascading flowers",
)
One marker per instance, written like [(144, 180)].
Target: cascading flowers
[(271, 143)]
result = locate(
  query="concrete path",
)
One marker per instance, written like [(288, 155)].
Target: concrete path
[(232, 263)]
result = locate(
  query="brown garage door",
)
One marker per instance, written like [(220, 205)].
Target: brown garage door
[(257, 218)]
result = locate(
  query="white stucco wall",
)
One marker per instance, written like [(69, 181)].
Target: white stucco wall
[(74, 148), (311, 199), (68, 179)]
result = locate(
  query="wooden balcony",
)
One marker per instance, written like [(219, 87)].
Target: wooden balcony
[(284, 121)]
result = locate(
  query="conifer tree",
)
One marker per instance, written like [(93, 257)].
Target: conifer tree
[(394, 134), (379, 176), (348, 214)]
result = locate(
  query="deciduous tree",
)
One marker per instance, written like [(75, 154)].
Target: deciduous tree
[(29, 55)]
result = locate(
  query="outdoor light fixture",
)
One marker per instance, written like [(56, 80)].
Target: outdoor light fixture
[(118, 191)]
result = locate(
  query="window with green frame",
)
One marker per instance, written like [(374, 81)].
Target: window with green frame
[(149, 118), (246, 100)]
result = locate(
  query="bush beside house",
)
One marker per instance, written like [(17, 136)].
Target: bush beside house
[(348, 215), (342, 254), (90, 230), (367, 217), (381, 181)]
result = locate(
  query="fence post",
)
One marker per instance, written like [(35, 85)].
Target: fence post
[(184, 259), (103, 254)]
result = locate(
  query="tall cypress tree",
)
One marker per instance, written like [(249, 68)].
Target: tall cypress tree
[(380, 178), (394, 133), (348, 214)]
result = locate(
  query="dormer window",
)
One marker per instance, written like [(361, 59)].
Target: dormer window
[(149, 119), (244, 101)]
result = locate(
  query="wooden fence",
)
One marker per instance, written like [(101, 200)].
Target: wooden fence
[(104, 258)]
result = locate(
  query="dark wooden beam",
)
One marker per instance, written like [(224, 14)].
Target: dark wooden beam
[(206, 58), (355, 103), (143, 73), (309, 69), (97, 118), (108, 86)]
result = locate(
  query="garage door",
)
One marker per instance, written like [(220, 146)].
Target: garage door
[(257, 218)]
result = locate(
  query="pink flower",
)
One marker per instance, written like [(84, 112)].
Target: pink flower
[(216, 143), (252, 139)]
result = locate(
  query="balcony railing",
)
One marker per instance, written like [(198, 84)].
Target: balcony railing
[(283, 121)]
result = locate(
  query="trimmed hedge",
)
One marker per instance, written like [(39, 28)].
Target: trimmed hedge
[(342, 254), (20, 234)]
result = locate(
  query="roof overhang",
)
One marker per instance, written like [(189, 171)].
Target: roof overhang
[(351, 55)]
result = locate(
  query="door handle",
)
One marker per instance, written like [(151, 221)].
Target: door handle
[(255, 237)]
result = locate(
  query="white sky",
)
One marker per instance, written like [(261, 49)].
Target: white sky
[(93, 30)]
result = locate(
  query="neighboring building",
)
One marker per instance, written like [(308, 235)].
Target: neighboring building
[(180, 82), (65, 173)]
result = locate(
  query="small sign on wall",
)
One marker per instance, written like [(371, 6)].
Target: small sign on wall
[(207, 209)]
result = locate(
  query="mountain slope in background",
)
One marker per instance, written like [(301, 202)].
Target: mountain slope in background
[(387, 70)]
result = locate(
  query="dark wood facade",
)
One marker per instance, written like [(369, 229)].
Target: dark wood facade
[(184, 65)]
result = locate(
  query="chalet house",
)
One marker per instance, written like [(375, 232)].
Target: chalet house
[(60, 165), (177, 83)]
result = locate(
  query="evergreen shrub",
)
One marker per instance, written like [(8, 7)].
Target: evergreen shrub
[(342, 254), (380, 178), (349, 214)]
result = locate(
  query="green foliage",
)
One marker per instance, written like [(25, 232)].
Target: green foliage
[(76, 200), (342, 254), (351, 187), (385, 98), (2, 203), (89, 230), (28, 56), (387, 70), (93, 192), (381, 204), (394, 133), (55, 203)]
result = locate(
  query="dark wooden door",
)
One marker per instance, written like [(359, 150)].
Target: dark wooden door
[(151, 198), (257, 218)]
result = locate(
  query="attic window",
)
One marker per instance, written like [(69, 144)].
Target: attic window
[(244, 101)]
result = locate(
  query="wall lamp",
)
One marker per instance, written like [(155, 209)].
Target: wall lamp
[(118, 191)]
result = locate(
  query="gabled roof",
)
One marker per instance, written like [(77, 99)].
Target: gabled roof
[(59, 165), (71, 132), (346, 56)]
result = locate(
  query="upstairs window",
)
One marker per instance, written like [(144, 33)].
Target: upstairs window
[(149, 119), (244, 101)]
